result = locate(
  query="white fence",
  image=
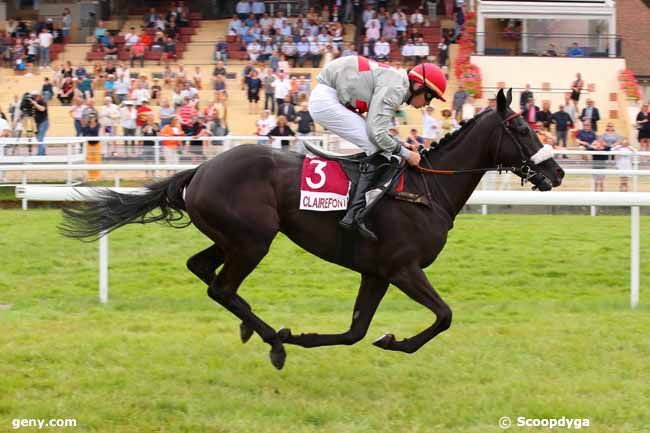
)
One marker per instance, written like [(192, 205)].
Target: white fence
[(632, 200)]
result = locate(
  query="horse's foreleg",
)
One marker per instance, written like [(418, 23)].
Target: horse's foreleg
[(415, 284), (371, 292)]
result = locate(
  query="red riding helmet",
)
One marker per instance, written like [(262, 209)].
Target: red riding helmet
[(431, 77)]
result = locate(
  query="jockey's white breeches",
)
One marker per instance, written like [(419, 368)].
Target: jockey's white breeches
[(327, 111)]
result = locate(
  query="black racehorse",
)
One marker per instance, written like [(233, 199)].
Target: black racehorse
[(242, 198)]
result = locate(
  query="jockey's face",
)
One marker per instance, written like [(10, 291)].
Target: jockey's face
[(419, 101)]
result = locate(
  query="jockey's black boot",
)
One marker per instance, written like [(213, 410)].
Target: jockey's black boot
[(374, 176), (358, 201)]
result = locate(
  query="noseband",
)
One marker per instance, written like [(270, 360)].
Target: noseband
[(525, 171)]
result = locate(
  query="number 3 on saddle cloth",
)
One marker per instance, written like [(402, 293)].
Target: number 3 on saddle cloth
[(327, 181)]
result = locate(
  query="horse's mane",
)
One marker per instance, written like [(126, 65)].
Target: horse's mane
[(452, 137)]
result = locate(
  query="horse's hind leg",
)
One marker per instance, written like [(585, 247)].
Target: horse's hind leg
[(370, 294), (415, 284), (223, 289), (204, 264)]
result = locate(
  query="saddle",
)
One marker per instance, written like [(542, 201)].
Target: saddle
[(406, 185)]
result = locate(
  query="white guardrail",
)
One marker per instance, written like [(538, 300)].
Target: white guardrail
[(631, 199)]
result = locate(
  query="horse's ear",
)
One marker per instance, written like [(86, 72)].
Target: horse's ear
[(509, 97), (502, 104)]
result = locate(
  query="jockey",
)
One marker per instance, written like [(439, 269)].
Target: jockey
[(350, 86)]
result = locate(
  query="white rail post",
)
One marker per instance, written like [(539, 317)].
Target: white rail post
[(635, 166), (156, 156), (103, 268), (69, 162), (634, 256), (24, 182)]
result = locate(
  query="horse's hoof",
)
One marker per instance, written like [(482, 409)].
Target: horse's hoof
[(245, 332), (284, 334), (278, 356), (385, 341)]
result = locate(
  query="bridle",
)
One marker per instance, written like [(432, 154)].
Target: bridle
[(525, 171)]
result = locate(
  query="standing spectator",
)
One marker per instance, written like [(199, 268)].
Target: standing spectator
[(281, 129), (576, 88), (525, 96), (221, 52), (624, 161), (643, 125), (47, 90), (599, 162), (128, 116), (563, 123), (219, 83), (267, 81), (254, 84), (459, 99), (142, 112), (4, 126), (93, 146), (170, 147), (150, 129), (545, 114), (109, 116), (468, 110), (591, 115), (530, 113), (443, 50), (131, 38), (219, 69), (417, 19), (258, 9), (610, 137), (287, 110), (197, 78), (121, 89), (430, 126), (66, 23), (186, 113), (585, 137), (243, 9), (166, 112), (281, 88), (88, 111), (389, 32), (41, 120), (45, 39), (76, 112)]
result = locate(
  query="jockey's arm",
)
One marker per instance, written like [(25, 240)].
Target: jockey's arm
[(380, 114)]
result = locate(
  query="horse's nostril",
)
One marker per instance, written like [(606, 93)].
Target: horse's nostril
[(559, 172)]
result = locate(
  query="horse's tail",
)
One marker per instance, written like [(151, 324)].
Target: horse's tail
[(108, 210)]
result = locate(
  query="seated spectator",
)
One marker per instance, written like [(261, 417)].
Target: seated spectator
[(382, 50), (67, 91), (302, 51), (551, 52), (585, 137), (197, 78), (408, 51), (85, 87), (372, 32), (350, 50), (150, 18), (169, 51), (289, 51), (253, 50), (389, 31), (316, 52), (110, 49), (575, 51), (264, 124), (221, 52), (109, 86), (266, 22), (236, 27), (131, 38), (417, 19)]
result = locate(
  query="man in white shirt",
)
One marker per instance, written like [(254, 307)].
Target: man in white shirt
[(382, 49), (131, 38), (140, 93), (258, 8), (253, 50), (417, 18), (316, 52), (243, 8), (266, 22), (303, 51), (281, 87), (372, 33), (45, 39)]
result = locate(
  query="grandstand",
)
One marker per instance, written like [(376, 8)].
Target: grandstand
[(195, 45)]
